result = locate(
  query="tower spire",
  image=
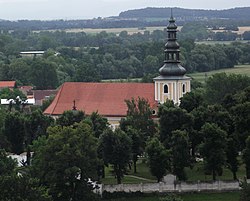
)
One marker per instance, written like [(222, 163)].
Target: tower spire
[(172, 66)]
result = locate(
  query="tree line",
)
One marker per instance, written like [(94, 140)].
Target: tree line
[(72, 150), (91, 58)]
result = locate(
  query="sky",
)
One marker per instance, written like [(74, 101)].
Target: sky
[(88, 9)]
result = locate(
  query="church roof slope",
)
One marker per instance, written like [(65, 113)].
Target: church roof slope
[(106, 98)]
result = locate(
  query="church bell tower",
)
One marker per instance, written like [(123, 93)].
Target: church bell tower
[(172, 83)]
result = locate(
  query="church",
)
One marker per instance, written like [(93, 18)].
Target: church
[(108, 99)]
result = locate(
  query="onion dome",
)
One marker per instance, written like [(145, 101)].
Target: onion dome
[(172, 66)]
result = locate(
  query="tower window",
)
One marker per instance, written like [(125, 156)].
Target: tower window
[(183, 88), (165, 89)]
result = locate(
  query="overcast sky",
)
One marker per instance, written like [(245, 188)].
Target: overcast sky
[(84, 9)]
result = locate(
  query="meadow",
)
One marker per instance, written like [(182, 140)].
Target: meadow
[(144, 176), (135, 30), (239, 69)]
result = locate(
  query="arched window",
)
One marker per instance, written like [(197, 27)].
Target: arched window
[(165, 89), (183, 88)]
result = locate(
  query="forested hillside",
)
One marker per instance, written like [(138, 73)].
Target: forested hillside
[(139, 18), (188, 14)]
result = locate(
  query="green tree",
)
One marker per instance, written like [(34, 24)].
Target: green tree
[(139, 125), (180, 153), (65, 161), (172, 118), (192, 100), (241, 117), (70, 117), (99, 124), (43, 74), (221, 84), (19, 70), (245, 191), (36, 125), (116, 150), (137, 145), (7, 165), (158, 158), (18, 188), (246, 157), (139, 117), (213, 148), (22, 188), (6, 93), (14, 131), (232, 154)]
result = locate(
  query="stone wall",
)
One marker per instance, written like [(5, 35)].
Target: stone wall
[(163, 187)]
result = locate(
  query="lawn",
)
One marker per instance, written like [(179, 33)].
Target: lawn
[(225, 196), (240, 69), (144, 175)]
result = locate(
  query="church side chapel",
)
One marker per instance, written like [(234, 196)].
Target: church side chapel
[(108, 99)]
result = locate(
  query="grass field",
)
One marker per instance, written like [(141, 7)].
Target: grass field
[(240, 69), (144, 175), (225, 196), (110, 30), (133, 30), (240, 31)]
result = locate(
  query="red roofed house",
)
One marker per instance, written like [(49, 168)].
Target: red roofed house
[(7, 84), (109, 98)]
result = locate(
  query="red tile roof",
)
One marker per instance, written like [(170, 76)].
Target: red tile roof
[(106, 98), (7, 84), (41, 94)]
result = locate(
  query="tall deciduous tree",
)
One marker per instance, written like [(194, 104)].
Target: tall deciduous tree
[(70, 117), (36, 125), (43, 74), (139, 125), (159, 158), (139, 117), (14, 131), (7, 165), (241, 116), (116, 150), (232, 154), (213, 148), (172, 118), (65, 161), (137, 145), (180, 153), (192, 100), (22, 188), (99, 123), (246, 157), (221, 84)]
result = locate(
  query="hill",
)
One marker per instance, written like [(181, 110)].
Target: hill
[(241, 13), (140, 18)]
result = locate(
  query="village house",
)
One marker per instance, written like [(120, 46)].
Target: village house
[(7, 84)]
